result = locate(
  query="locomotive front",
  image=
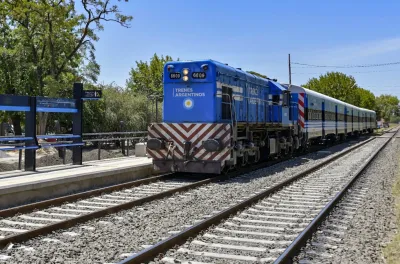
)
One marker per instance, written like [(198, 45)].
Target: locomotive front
[(189, 138)]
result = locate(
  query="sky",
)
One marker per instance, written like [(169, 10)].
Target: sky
[(258, 35)]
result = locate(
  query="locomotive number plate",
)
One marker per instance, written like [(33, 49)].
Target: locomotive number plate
[(198, 75), (175, 75)]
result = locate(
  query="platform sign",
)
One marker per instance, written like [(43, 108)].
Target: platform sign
[(14, 103), (56, 105), (92, 94)]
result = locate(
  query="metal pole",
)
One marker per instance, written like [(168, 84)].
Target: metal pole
[(30, 131), (77, 124), (290, 73), (99, 150), (121, 123), (127, 147), (20, 159), (156, 109), (64, 152)]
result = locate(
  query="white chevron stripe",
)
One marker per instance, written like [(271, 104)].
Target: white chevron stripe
[(194, 129), (176, 127), (155, 135), (186, 124), (154, 154), (206, 157), (201, 152), (198, 155), (207, 136), (223, 152), (173, 128), (165, 134), (176, 155)]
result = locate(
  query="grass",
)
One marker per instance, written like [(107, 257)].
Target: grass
[(380, 130), (392, 251)]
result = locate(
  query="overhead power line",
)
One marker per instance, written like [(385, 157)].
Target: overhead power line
[(346, 66), (346, 72)]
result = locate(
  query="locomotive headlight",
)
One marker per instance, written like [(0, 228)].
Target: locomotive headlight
[(185, 78), (185, 71), (211, 145), (155, 144)]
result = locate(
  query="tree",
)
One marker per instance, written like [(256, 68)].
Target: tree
[(387, 106), (337, 85), (258, 74), (367, 99), (146, 78), (55, 41), (118, 104)]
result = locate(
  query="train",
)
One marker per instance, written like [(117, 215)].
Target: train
[(217, 118)]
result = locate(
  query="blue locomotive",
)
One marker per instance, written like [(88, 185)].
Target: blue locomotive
[(216, 117)]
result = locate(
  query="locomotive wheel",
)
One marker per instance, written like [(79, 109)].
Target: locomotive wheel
[(306, 146), (245, 158), (242, 161), (258, 156)]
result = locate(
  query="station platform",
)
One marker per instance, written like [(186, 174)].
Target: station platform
[(20, 187)]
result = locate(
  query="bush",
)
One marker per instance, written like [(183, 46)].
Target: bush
[(117, 105), (394, 119)]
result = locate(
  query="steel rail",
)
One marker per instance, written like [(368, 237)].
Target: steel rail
[(72, 197), (96, 214), (9, 212), (100, 213), (300, 241), (113, 209), (152, 252)]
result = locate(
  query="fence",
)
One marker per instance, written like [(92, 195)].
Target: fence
[(123, 140), (30, 106)]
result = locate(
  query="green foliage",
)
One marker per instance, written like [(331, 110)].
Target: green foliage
[(146, 78), (337, 85), (119, 104), (394, 119), (343, 87), (367, 99), (258, 74), (46, 45), (387, 106)]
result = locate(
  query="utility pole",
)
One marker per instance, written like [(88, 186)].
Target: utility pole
[(290, 73)]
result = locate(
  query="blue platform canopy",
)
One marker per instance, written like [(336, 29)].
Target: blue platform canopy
[(14, 103), (56, 105)]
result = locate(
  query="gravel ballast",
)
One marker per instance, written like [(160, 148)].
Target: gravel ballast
[(113, 238), (364, 221), (261, 232)]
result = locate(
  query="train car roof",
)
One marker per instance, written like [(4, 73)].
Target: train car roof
[(300, 89), (226, 69)]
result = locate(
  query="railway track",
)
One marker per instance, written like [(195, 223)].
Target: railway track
[(272, 225), (22, 223)]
